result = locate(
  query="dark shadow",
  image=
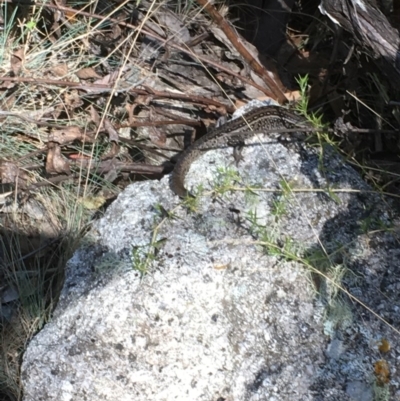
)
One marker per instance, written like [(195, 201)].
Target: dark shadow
[(361, 238), (262, 19), (31, 278)]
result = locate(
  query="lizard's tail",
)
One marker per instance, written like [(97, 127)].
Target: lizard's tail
[(178, 177)]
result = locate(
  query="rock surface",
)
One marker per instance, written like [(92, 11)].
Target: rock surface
[(231, 307)]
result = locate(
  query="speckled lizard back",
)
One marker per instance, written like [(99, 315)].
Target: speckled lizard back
[(265, 118)]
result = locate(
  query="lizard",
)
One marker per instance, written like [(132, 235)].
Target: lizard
[(233, 133)]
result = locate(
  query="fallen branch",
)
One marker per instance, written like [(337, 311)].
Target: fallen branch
[(253, 63), (165, 42), (148, 91)]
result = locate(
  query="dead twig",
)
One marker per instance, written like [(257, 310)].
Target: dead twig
[(103, 167), (254, 64), (170, 43), (146, 92)]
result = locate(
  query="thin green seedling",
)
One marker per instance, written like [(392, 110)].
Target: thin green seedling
[(225, 180), (286, 188), (164, 213), (381, 390), (142, 256), (371, 222), (262, 233), (298, 258), (317, 258), (302, 104), (191, 202), (279, 207)]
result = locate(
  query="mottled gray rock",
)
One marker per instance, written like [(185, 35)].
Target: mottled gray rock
[(230, 308), (359, 391)]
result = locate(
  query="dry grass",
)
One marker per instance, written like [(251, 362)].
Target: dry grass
[(40, 229)]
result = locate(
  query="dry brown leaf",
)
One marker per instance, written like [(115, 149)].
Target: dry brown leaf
[(60, 70), (87, 73), (106, 126), (382, 372), (9, 102), (114, 151), (55, 162), (116, 31), (94, 115), (11, 174), (112, 132), (112, 174), (173, 23), (7, 84), (58, 14), (8, 172), (17, 60), (56, 32), (108, 79), (157, 136), (384, 345), (66, 135), (220, 110), (73, 100), (144, 99), (130, 108)]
